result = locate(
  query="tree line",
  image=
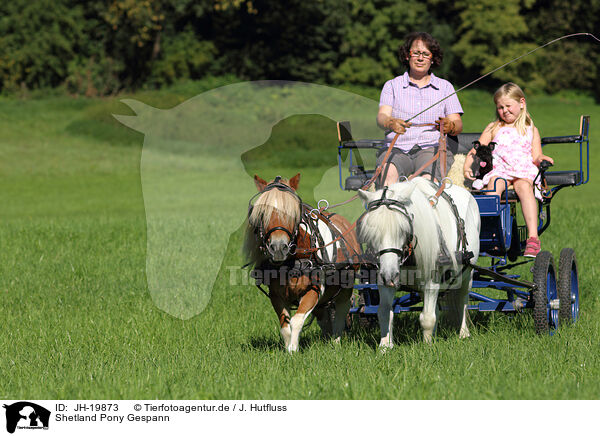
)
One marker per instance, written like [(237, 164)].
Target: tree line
[(103, 47)]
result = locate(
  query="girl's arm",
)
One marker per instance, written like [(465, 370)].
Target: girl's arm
[(536, 149), (488, 134), (467, 171)]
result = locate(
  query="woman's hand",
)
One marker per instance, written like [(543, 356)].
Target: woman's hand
[(448, 125), (468, 173), (397, 125)]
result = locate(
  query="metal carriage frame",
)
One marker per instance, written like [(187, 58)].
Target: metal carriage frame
[(552, 294)]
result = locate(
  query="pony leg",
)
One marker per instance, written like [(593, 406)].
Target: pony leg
[(428, 317), (458, 300), (283, 314), (464, 292), (307, 304), (342, 307), (385, 315), (322, 314)]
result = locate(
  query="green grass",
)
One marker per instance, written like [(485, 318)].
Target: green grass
[(78, 317)]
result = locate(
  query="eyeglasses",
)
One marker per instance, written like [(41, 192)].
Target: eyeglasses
[(416, 54)]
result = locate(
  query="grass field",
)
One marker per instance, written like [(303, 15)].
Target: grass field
[(79, 322)]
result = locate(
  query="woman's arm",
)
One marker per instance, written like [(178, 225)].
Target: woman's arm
[(452, 124), (383, 116), (386, 122)]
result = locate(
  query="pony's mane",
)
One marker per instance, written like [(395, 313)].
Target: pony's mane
[(383, 222), (284, 203), (395, 224)]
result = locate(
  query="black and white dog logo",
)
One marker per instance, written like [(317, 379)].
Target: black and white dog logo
[(26, 415)]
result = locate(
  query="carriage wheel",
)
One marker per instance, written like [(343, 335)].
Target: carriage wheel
[(545, 296), (568, 286)]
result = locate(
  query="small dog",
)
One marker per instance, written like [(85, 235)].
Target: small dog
[(482, 162)]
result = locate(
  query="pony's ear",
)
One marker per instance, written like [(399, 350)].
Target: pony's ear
[(492, 145), (260, 183), (476, 144), (403, 191), (295, 181), (366, 196)]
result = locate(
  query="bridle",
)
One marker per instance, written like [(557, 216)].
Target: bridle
[(264, 235), (396, 206)]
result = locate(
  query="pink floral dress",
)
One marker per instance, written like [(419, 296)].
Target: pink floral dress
[(513, 158)]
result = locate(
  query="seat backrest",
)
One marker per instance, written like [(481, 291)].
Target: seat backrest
[(344, 131), (584, 126), (462, 143)]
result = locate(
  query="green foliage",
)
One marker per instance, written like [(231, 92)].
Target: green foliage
[(37, 42), (183, 56), (489, 31), (102, 48), (293, 40), (361, 70), (571, 63)]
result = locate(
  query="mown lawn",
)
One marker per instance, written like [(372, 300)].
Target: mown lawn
[(78, 320)]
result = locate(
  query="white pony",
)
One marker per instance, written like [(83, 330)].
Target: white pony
[(400, 219)]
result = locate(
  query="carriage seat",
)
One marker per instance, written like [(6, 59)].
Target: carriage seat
[(460, 144)]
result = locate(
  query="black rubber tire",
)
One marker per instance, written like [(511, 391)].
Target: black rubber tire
[(566, 264), (543, 263)]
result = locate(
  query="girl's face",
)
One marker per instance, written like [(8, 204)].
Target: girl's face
[(509, 109)]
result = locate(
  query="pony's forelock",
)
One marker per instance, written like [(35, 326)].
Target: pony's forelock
[(284, 203), (395, 223)]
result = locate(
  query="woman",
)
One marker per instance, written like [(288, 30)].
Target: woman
[(404, 97)]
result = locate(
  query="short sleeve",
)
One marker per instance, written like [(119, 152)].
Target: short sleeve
[(387, 95), (452, 104)]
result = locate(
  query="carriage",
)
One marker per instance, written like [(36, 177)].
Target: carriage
[(553, 292)]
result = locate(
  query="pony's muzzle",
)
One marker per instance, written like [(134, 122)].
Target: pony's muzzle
[(279, 250), (391, 280)]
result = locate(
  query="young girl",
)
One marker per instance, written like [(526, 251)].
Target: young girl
[(517, 155)]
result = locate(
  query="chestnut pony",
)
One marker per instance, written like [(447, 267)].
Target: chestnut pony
[(306, 258)]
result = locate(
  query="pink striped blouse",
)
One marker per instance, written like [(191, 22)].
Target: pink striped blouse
[(407, 99)]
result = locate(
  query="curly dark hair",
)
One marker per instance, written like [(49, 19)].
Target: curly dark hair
[(432, 45)]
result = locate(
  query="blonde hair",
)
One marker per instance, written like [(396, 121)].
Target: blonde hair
[(514, 92)]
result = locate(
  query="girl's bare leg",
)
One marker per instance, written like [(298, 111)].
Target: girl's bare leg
[(524, 189), (499, 186)]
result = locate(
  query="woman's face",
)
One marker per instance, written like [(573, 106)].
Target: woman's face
[(422, 63), (509, 109)]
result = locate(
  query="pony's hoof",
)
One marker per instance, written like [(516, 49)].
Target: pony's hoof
[(464, 335), (384, 348)]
